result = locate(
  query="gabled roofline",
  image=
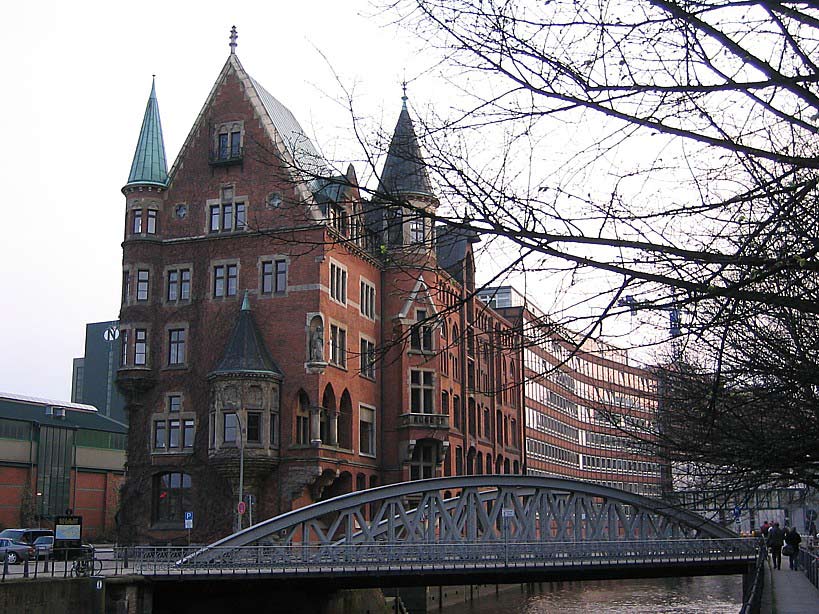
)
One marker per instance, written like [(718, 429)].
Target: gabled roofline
[(252, 94)]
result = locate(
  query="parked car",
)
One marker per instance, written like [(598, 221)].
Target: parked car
[(14, 552), (26, 536), (44, 547)]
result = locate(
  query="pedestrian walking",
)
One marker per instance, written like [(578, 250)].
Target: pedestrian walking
[(791, 549), (776, 539)]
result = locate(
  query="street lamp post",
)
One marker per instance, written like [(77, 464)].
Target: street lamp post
[(241, 472)]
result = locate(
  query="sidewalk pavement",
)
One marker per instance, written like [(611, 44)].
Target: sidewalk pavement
[(792, 592)]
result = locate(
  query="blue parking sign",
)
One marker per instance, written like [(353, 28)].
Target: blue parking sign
[(188, 520)]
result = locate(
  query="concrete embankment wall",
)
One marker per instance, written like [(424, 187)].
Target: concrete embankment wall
[(52, 596)]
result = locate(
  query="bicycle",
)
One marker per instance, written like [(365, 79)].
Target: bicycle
[(86, 566)]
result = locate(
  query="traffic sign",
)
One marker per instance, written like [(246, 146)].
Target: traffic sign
[(242, 507), (188, 520)]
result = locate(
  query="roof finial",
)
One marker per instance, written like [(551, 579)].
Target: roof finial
[(233, 37), (404, 97)]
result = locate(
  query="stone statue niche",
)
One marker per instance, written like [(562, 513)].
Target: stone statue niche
[(316, 340)]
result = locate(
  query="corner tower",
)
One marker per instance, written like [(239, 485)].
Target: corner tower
[(407, 211)]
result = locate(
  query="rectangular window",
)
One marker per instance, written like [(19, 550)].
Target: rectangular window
[(173, 433), (223, 146), (274, 429), (235, 144), (254, 427), (137, 221), (338, 346), (215, 213), (187, 434), (274, 276), (241, 216), (225, 280), (338, 283), (302, 429), (367, 358), (421, 332), (159, 435), (366, 430), (140, 346), (126, 286), (421, 390), (232, 279), (185, 284), (367, 300), (143, 277), (152, 221), (230, 430), (174, 403), (173, 286), (227, 217), (417, 231), (123, 339), (176, 346)]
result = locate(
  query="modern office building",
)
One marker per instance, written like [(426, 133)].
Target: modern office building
[(93, 380), (586, 405)]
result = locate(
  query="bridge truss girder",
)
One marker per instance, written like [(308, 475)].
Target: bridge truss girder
[(488, 508)]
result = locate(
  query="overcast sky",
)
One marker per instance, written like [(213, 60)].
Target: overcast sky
[(76, 80)]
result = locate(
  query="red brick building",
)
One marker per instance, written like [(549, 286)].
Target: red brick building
[(278, 326), (587, 406)]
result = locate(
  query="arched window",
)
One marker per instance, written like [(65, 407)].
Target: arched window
[(479, 464), (171, 497), (328, 402), (488, 463), (345, 422)]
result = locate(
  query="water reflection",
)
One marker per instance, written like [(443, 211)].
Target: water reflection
[(697, 595)]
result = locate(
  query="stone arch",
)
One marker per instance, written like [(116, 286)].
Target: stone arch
[(328, 404), (479, 463), (470, 461), (489, 465), (499, 464)]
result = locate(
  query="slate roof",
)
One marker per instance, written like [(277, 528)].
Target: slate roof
[(149, 164), (451, 244), (33, 409), (246, 351), (405, 171)]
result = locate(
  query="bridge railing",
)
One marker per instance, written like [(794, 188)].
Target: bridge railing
[(364, 557), (809, 563)]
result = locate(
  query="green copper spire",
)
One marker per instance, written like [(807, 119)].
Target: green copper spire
[(149, 158)]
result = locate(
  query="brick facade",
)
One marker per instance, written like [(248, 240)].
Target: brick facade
[(300, 269)]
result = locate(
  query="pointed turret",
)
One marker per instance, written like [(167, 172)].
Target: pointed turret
[(149, 165), (405, 171), (246, 351)]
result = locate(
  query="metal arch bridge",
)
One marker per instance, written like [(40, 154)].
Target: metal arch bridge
[(496, 528)]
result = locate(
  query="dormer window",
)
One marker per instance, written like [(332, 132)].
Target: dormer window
[(227, 146)]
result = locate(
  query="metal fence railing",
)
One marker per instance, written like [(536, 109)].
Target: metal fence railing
[(381, 556), (752, 600), (809, 563)]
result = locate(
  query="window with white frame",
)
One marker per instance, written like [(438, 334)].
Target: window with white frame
[(421, 392), (338, 283), (137, 219), (367, 358), (366, 430), (367, 300), (140, 346), (338, 345), (274, 276), (143, 281), (151, 226)]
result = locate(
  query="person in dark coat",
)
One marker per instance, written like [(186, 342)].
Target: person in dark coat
[(776, 539), (793, 539)]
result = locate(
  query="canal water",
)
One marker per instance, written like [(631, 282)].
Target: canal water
[(695, 595)]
